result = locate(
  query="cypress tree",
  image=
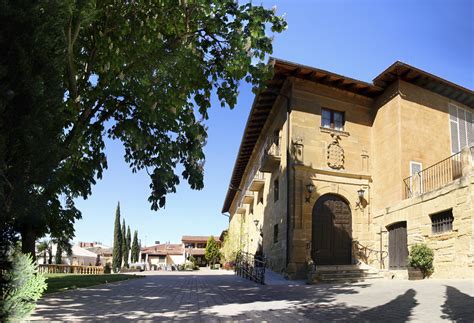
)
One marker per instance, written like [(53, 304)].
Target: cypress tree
[(135, 247), (117, 251), (59, 254), (124, 244), (129, 242)]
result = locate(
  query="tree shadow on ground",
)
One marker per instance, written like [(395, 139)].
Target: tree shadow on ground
[(399, 310), (455, 308), (208, 297)]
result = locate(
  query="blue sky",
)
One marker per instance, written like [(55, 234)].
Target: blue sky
[(358, 39)]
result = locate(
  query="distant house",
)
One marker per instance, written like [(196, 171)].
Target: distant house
[(105, 254), (196, 246), (79, 256), (162, 256)]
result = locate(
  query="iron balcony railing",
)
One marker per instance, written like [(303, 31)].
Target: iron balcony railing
[(434, 177), (250, 266)]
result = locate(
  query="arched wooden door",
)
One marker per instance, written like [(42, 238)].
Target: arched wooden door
[(332, 231)]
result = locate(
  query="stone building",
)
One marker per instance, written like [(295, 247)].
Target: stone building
[(333, 171)]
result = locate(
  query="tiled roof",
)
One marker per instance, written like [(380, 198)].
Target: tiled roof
[(198, 238), (101, 251), (164, 249)]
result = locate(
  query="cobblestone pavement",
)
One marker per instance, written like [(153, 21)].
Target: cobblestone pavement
[(221, 296)]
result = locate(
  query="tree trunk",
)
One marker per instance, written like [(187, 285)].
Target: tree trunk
[(28, 239)]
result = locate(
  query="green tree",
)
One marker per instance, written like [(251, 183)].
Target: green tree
[(62, 245), (43, 247), (117, 248), (153, 96), (135, 247), (124, 245), (129, 242), (212, 253), (22, 287), (32, 121)]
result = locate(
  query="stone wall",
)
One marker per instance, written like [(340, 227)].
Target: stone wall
[(454, 250)]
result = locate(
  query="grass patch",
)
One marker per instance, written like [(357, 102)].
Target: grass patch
[(62, 282)]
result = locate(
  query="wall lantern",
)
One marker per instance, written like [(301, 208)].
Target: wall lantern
[(362, 201), (310, 189)]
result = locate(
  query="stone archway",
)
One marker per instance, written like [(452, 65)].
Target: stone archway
[(332, 231)]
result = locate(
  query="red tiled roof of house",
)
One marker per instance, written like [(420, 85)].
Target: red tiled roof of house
[(164, 249), (197, 238)]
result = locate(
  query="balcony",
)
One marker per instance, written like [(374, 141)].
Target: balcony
[(439, 174), (248, 197), (258, 182), (240, 209), (271, 155)]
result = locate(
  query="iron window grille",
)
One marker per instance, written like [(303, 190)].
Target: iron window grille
[(442, 222)]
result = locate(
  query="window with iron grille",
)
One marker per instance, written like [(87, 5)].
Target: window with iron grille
[(442, 221)]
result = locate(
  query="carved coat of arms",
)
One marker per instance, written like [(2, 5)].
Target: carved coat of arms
[(335, 154)]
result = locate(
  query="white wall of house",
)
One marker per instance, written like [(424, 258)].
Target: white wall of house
[(176, 259)]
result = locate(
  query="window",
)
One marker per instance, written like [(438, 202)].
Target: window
[(332, 119), (276, 190), (442, 221), (161, 259), (462, 133), (416, 179), (275, 233)]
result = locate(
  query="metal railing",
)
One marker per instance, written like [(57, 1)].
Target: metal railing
[(367, 254), (434, 177), (250, 267)]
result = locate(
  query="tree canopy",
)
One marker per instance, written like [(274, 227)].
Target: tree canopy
[(212, 252), (142, 72)]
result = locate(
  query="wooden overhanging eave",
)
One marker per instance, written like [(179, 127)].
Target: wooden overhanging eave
[(410, 74)]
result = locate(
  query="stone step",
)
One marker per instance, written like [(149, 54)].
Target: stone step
[(349, 275), (348, 279), (344, 273), (337, 267)]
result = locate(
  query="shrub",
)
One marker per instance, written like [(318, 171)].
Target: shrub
[(421, 257), (107, 268), (23, 287)]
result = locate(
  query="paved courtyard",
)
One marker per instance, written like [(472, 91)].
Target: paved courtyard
[(221, 296)]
